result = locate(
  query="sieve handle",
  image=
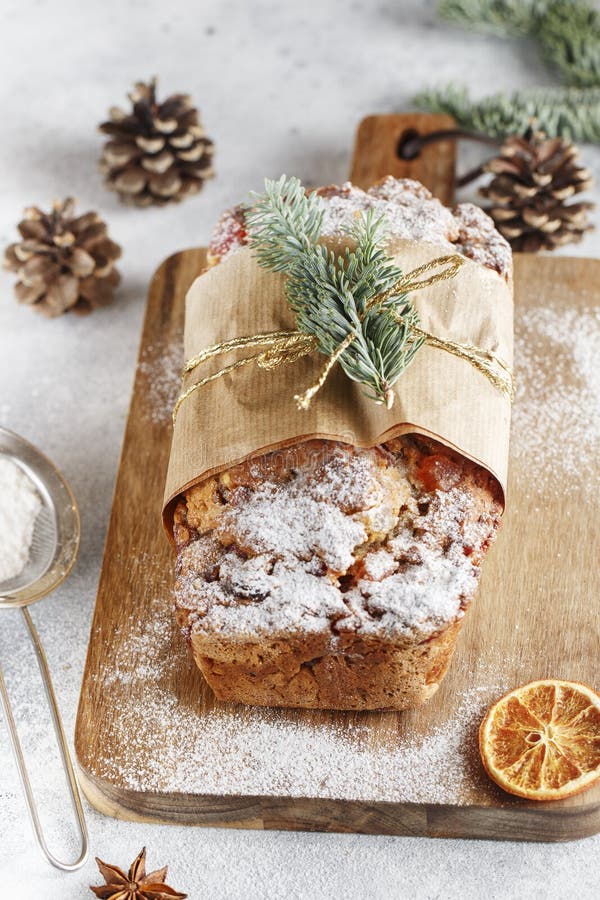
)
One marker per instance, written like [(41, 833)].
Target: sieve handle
[(64, 751)]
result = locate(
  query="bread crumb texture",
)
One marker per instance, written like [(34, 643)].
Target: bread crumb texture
[(326, 575)]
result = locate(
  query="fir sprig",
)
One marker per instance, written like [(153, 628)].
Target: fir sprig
[(334, 297), (568, 31), (559, 112), (499, 17), (568, 35)]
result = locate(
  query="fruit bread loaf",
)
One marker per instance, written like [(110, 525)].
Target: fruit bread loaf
[(328, 576)]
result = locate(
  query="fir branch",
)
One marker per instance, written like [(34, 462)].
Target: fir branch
[(331, 295), (569, 36), (567, 31), (514, 18), (284, 221), (560, 112)]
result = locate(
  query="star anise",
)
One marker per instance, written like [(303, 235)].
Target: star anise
[(135, 885)]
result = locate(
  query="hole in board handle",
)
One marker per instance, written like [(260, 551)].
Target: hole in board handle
[(409, 144)]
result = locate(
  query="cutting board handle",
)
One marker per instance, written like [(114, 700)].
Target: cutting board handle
[(376, 153)]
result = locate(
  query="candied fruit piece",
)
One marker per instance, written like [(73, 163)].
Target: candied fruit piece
[(230, 234), (438, 472)]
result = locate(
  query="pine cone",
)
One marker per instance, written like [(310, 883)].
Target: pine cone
[(63, 262), (533, 178), (158, 152)]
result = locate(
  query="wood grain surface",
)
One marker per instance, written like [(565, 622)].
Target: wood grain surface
[(535, 616), (376, 153)]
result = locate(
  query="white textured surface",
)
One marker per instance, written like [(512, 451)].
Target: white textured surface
[(19, 506), (281, 87)]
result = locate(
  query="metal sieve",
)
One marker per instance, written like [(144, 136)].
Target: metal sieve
[(51, 558)]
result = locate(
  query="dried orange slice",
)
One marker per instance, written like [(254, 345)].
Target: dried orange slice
[(542, 740)]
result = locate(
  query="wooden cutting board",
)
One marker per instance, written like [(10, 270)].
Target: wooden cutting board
[(154, 745)]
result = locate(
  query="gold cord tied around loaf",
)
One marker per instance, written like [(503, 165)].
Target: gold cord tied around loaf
[(281, 347)]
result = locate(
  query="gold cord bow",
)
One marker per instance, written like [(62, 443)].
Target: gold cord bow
[(279, 347)]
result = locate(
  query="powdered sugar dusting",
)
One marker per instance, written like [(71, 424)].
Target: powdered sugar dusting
[(256, 751), (410, 212), (408, 209), (342, 546), (479, 240), (556, 414), (287, 521), (431, 592), (162, 367), (229, 233), (19, 507)]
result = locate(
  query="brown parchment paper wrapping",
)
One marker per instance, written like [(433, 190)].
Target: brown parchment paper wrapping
[(253, 410)]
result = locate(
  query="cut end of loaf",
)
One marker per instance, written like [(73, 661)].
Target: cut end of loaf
[(327, 576)]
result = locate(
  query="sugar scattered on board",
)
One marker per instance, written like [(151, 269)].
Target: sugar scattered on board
[(161, 366), (162, 744), (556, 414), (258, 751), (19, 506)]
